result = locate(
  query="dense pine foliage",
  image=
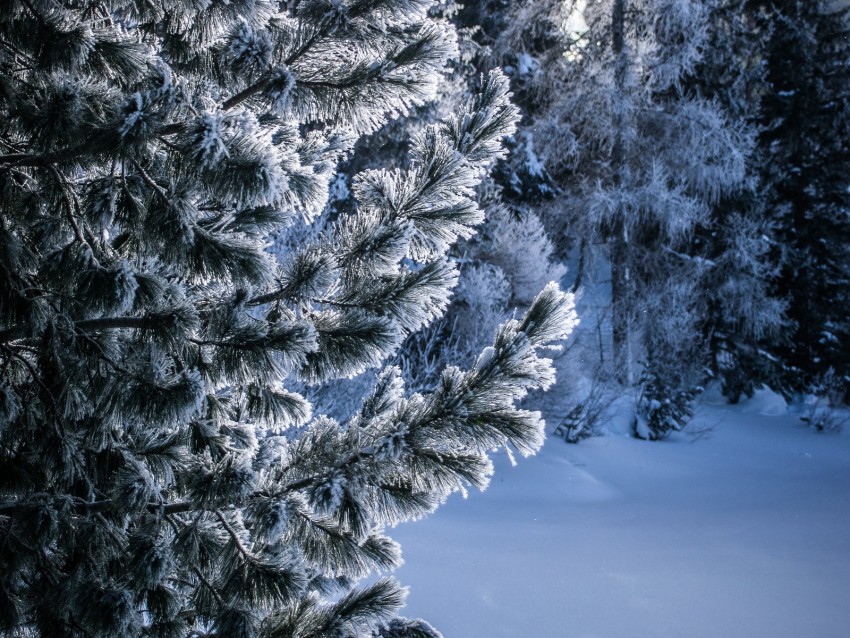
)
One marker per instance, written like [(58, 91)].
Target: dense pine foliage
[(158, 475)]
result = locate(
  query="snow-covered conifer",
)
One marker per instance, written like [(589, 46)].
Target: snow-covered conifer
[(639, 157), (149, 341), (515, 241)]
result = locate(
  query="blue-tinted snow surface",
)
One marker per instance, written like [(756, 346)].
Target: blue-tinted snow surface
[(741, 533)]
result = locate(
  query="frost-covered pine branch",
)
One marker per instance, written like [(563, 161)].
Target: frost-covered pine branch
[(153, 481)]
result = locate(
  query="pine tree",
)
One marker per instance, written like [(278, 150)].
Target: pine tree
[(804, 116), (640, 160), (741, 315), (158, 475)]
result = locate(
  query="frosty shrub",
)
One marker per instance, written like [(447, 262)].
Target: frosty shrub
[(660, 408), (159, 473), (484, 292), (822, 411), (823, 417), (585, 416), (516, 242)]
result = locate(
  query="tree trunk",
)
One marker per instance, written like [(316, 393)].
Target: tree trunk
[(621, 325), (620, 276)]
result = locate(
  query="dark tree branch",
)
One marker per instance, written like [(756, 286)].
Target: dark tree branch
[(92, 325)]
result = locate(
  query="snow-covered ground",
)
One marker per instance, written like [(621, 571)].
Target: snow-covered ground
[(741, 532)]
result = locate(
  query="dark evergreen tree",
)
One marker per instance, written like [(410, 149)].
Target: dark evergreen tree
[(804, 148), (741, 315), (151, 481)]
